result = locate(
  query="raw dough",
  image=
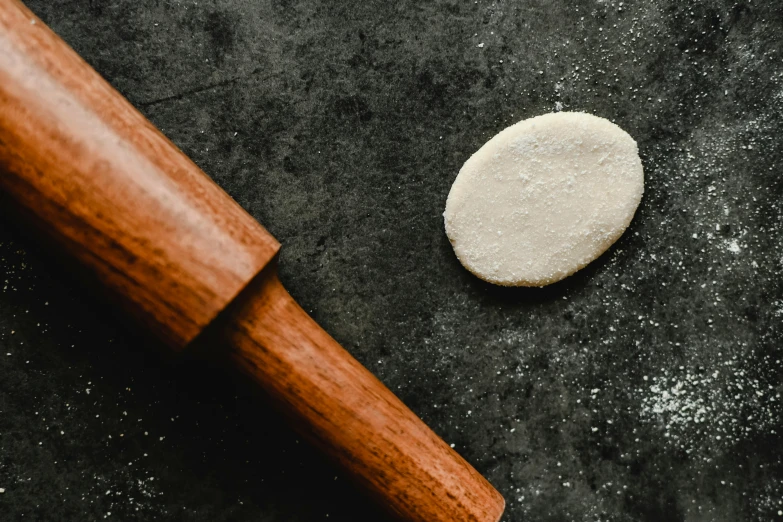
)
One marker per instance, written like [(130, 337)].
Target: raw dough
[(544, 198)]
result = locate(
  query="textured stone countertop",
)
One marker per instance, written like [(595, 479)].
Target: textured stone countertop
[(648, 387)]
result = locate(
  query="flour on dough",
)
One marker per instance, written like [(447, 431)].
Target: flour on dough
[(544, 198)]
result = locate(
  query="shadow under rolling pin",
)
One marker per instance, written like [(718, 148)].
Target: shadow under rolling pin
[(173, 251)]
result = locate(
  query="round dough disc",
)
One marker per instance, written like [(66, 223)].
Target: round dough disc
[(544, 198)]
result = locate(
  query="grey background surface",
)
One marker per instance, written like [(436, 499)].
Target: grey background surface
[(645, 388)]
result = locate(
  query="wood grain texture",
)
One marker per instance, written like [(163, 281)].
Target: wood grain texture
[(348, 413), (105, 185), (81, 164)]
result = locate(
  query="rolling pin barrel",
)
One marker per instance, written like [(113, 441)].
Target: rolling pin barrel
[(173, 251), (170, 247)]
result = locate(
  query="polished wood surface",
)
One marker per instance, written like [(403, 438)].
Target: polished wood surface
[(348, 413), (174, 252), (168, 245)]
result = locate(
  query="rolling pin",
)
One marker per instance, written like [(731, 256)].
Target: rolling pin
[(176, 255)]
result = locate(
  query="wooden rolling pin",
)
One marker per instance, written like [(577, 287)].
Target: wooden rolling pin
[(173, 251)]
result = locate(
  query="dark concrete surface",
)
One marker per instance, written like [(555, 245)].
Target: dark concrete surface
[(645, 388)]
